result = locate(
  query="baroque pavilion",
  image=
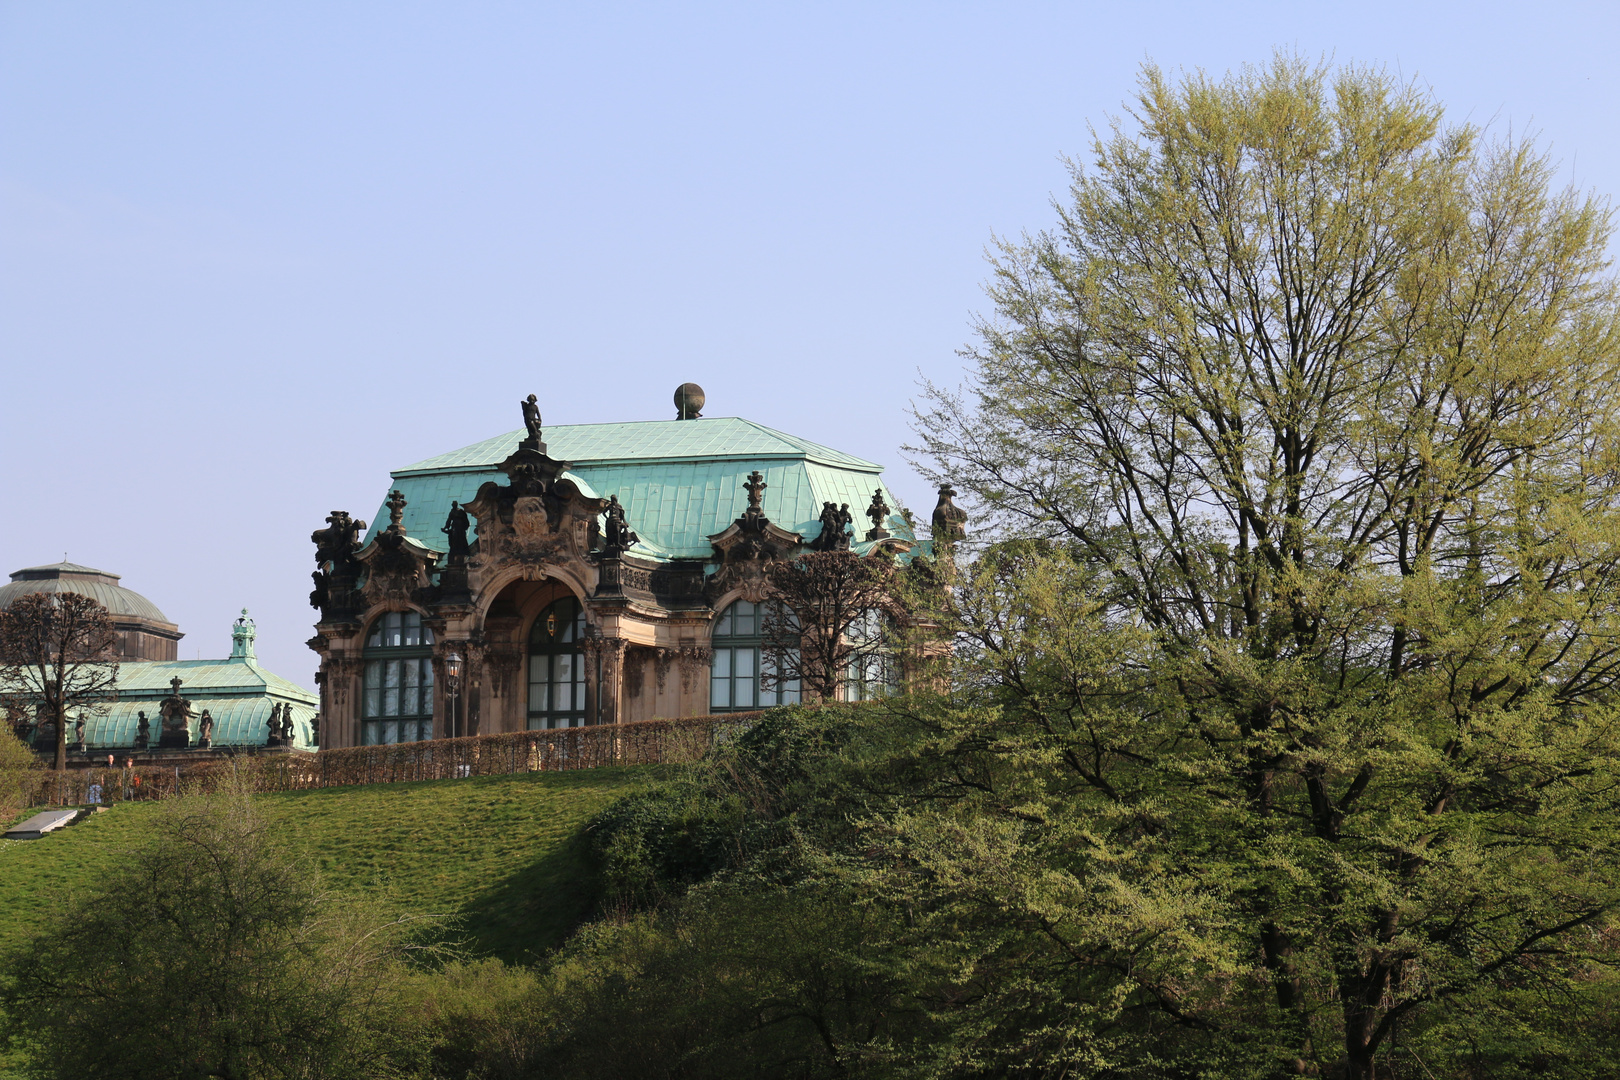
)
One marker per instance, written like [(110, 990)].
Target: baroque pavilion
[(582, 574)]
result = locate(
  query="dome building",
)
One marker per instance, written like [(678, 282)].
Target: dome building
[(144, 632), (580, 574), (239, 698)]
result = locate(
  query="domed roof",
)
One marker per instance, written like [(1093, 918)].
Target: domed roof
[(99, 585)]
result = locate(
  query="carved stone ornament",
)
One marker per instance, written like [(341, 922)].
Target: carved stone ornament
[(694, 658), (337, 570), (537, 517), (950, 520), (175, 712), (396, 565), (879, 513), (747, 546), (662, 658)]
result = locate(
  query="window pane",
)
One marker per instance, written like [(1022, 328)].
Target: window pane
[(723, 627), (722, 663)]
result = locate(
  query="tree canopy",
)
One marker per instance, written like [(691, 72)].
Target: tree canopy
[(1307, 409)]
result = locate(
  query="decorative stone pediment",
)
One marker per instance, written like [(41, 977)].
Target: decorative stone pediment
[(747, 546), (396, 565), (537, 516)]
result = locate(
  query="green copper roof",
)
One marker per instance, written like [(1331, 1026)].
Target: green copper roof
[(238, 693), (680, 481), (662, 440)]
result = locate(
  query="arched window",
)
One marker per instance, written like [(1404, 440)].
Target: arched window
[(398, 704), (874, 670), (556, 668), (741, 677)]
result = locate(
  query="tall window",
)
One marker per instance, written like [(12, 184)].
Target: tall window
[(741, 677), (874, 671), (398, 703), (556, 668)]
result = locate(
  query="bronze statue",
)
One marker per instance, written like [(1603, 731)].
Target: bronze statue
[(205, 729), (455, 527), (619, 535), (274, 724), (531, 419), (287, 724), (78, 733), (143, 731)]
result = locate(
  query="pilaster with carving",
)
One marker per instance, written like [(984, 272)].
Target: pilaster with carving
[(695, 660)]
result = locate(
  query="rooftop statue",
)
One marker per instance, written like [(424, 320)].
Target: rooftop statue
[(618, 535), (531, 421), (455, 527), (879, 513), (176, 714)]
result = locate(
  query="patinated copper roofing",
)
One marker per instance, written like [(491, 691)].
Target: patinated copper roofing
[(99, 585), (680, 481)]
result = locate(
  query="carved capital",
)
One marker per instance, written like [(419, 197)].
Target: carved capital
[(694, 658), (662, 658)]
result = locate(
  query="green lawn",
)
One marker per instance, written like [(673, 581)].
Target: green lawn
[(503, 854)]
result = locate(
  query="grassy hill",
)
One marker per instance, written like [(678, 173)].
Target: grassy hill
[(504, 854)]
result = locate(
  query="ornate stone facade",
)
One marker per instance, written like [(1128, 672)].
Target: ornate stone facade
[(649, 529)]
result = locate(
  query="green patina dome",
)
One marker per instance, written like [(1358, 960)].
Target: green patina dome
[(99, 585)]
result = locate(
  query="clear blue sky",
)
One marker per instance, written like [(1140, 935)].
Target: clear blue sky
[(252, 256)]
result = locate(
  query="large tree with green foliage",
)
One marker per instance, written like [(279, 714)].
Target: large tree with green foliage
[(1309, 408)]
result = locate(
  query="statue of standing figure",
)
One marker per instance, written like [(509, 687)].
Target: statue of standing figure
[(143, 732), (618, 533), (205, 730), (531, 421), (455, 527), (274, 724), (287, 724)]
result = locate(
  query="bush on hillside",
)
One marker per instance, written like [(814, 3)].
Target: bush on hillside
[(209, 952)]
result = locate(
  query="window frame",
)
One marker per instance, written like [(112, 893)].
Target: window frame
[(567, 641), (413, 663), (877, 674), (725, 646)]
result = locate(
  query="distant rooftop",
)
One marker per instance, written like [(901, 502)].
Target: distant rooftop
[(99, 585)]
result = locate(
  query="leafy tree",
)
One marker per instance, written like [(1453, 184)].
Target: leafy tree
[(58, 652), (209, 952), (824, 619), (1312, 404), (19, 774)]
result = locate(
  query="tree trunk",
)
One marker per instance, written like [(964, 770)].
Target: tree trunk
[(61, 736)]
